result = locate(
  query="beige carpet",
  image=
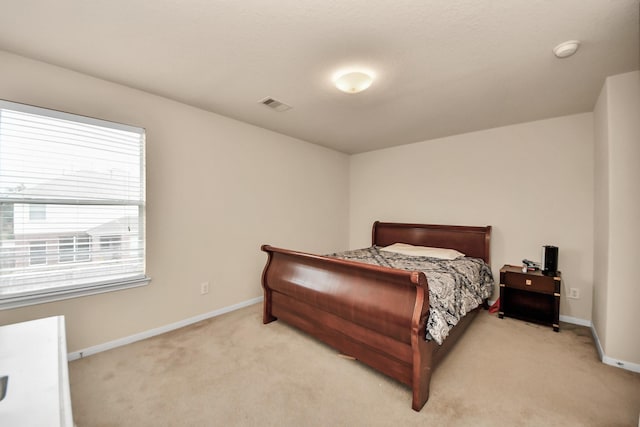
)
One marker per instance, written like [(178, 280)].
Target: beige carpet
[(234, 371)]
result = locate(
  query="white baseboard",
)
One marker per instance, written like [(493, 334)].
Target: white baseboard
[(157, 331), (576, 321), (634, 367), (597, 341)]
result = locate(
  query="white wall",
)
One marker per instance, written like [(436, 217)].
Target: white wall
[(617, 180), (532, 182), (217, 189), (243, 186)]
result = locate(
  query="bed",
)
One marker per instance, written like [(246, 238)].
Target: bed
[(375, 314)]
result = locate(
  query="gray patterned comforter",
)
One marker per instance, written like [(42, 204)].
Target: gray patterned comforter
[(455, 287)]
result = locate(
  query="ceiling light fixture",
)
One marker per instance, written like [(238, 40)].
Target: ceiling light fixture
[(353, 81), (566, 49)]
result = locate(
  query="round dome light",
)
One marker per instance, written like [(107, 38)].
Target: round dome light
[(566, 49), (353, 81)]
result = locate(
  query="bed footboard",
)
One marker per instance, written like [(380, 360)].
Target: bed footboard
[(376, 314)]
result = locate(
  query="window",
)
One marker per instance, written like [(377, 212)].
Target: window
[(83, 248), (37, 253), (71, 181), (110, 246), (37, 212), (74, 249), (66, 249)]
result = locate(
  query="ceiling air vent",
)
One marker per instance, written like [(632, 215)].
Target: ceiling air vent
[(275, 104)]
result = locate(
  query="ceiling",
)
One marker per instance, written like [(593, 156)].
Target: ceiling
[(443, 67)]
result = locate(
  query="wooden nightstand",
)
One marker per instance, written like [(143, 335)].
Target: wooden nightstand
[(530, 296)]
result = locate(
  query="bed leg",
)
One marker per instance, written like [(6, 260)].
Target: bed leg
[(267, 317), (421, 392), (422, 351), (422, 368)]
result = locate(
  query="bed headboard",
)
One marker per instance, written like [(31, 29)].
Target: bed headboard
[(472, 241)]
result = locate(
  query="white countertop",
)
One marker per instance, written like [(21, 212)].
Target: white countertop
[(34, 356)]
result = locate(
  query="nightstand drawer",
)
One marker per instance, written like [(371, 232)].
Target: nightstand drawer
[(529, 282)]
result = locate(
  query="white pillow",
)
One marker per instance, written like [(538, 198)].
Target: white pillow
[(406, 249)]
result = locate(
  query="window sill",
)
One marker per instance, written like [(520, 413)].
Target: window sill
[(9, 302)]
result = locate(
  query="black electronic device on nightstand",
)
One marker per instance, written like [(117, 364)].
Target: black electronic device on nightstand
[(549, 261)]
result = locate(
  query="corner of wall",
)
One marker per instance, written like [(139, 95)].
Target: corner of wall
[(616, 208), (600, 218)]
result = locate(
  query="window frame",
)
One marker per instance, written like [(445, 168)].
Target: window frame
[(20, 299)]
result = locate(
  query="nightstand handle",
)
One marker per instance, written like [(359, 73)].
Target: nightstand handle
[(527, 282)]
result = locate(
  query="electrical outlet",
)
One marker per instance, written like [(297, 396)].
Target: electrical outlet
[(574, 293), (204, 288)]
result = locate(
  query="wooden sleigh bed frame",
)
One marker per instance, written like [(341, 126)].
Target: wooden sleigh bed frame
[(377, 315)]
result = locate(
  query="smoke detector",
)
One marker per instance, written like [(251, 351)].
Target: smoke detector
[(566, 49)]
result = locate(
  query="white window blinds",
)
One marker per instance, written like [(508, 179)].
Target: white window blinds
[(72, 205)]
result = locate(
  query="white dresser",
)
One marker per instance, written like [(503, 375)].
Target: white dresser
[(34, 357)]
